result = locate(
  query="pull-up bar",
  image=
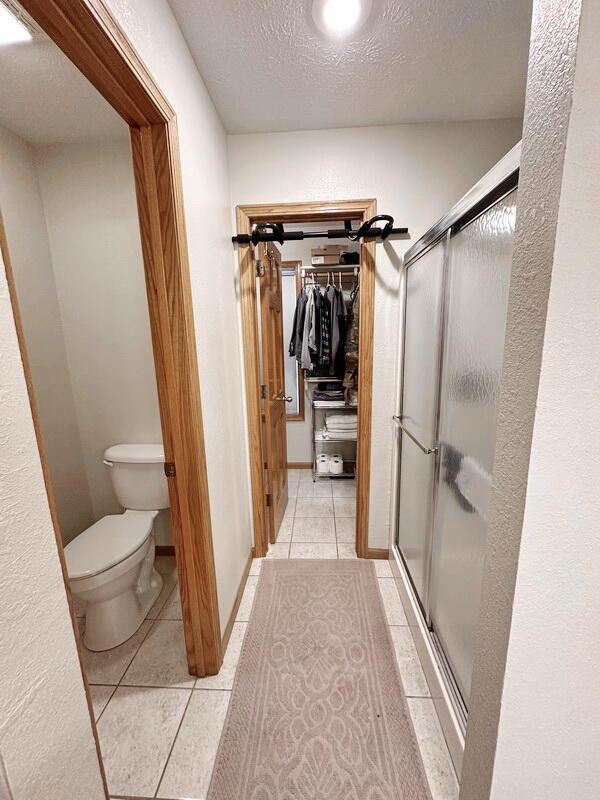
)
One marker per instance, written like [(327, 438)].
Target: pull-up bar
[(275, 232)]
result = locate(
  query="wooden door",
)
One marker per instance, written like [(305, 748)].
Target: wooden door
[(273, 381)]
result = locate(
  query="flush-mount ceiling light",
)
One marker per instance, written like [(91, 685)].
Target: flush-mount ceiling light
[(12, 29), (340, 18)]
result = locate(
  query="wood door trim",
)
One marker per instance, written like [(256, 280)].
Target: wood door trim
[(299, 416), (246, 216), (90, 36)]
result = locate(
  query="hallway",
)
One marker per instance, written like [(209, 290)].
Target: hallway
[(160, 729)]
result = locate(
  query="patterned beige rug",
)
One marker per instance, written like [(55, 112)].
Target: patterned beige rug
[(318, 711)]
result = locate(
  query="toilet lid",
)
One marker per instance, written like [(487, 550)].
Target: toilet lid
[(107, 542)]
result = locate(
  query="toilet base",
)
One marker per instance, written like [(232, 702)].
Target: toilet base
[(111, 622)]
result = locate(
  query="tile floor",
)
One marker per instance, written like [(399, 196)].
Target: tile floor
[(159, 728)]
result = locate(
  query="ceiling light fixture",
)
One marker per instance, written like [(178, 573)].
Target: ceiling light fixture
[(339, 19), (12, 29)]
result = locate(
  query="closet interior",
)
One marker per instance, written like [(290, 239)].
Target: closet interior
[(321, 325)]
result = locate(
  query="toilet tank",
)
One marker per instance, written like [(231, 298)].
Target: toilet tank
[(138, 476)]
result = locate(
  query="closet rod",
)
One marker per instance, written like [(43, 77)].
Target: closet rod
[(331, 268), (274, 232)]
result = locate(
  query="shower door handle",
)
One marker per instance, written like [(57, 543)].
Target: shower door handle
[(427, 450)]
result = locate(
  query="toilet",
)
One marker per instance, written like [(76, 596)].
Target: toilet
[(111, 563)]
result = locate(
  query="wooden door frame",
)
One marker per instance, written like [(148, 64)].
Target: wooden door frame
[(246, 217), (90, 36)]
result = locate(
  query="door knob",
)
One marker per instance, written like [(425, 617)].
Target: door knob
[(287, 398)]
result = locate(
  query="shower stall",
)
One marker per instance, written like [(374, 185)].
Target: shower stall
[(455, 292)]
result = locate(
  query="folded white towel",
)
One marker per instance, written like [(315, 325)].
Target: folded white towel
[(342, 420), (349, 435)]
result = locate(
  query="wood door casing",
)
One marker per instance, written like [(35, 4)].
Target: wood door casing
[(271, 314)]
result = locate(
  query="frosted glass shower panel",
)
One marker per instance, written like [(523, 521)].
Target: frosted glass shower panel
[(478, 282), (424, 284)]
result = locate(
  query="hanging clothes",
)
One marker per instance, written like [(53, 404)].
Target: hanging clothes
[(318, 338), (295, 348), (350, 381)]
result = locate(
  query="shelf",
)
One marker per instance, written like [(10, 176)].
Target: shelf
[(320, 439), (333, 404), (326, 379), (332, 476)]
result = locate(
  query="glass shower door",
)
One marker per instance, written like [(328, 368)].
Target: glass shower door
[(478, 280), (418, 421)]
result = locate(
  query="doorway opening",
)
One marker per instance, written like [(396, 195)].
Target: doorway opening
[(263, 334)]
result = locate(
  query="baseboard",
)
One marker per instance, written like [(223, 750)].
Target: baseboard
[(299, 465), (378, 552), (164, 550), (236, 605)]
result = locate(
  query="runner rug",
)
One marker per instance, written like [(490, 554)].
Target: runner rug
[(318, 711)]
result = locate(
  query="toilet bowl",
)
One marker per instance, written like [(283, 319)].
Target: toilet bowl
[(111, 564)]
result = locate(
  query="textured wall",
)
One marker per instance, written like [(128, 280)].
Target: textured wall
[(548, 104), (45, 731), (550, 720), (155, 34), (416, 173), (89, 200), (24, 220)]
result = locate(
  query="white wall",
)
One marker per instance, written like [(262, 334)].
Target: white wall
[(416, 172), (549, 726), (89, 200), (23, 213), (154, 32), (45, 730)]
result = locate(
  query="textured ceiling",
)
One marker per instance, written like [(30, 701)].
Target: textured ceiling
[(45, 100), (268, 69)]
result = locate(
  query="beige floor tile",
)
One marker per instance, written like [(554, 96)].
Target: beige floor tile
[(391, 601), (319, 488), (255, 566), (224, 680), (108, 667), (314, 550), (312, 529), (436, 758), (100, 696), (314, 507), (172, 608), (279, 550), (290, 509), (346, 550), (190, 765), (243, 614), (346, 529), (345, 506), (136, 732), (169, 580), (285, 530), (343, 488), (382, 568), (294, 475), (411, 672), (161, 660)]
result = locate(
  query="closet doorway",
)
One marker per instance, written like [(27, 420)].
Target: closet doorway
[(263, 454)]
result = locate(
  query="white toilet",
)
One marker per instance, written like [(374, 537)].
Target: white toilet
[(111, 564)]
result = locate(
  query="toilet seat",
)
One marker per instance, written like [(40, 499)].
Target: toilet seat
[(107, 542)]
